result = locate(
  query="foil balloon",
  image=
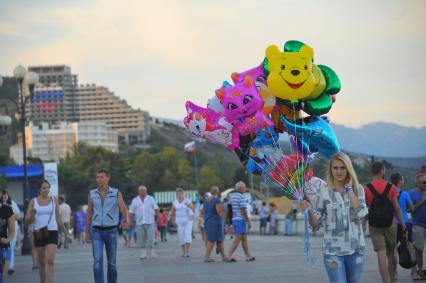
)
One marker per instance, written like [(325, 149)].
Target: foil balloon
[(259, 77), (214, 104), (256, 73), (211, 126), (312, 187), (243, 103), (291, 73), (315, 133), (290, 111), (253, 123), (291, 173), (264, 149)]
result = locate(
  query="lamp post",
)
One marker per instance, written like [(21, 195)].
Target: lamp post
[(28, 79)]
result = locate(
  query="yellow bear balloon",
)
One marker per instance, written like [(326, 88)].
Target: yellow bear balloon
[(293, 76)]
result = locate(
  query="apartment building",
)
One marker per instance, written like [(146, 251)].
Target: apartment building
[(55, 99), (59, 98), (54, 142), (98, 103)]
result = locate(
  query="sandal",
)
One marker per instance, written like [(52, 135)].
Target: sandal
[(251, 259), (209, 260), (416, 276)]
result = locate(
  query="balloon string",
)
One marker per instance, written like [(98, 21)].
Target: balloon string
[(268, 168), (307, 245), (271, 159), (277, 144)]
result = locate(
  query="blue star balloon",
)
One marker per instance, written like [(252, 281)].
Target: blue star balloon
[(315, 133)]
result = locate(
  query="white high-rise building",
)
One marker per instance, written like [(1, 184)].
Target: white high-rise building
[(54, 142), (96, 133)]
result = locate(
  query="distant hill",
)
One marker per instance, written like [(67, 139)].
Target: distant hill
[(378, 138), (383, 139)]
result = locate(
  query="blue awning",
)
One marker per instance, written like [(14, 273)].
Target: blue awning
[(18, 171)]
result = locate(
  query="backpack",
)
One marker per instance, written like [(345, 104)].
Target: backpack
[(381, 210)]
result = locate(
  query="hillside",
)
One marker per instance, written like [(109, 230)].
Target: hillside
[(390, 140)]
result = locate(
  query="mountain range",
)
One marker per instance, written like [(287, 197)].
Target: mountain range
[(381, 139)]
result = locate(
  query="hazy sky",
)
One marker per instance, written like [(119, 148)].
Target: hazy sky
[(158, 54)]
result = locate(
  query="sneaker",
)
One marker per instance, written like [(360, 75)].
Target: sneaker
[(184, 255), (35, 267), (152, 253), (187, 255), (11, 271), (143, 254)]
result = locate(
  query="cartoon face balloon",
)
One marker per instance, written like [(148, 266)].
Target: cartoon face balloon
[(257, 74), (259, 77), (211, 126), (241, 100), (291, 73)]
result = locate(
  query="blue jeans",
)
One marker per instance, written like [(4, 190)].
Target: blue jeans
[(344, 269), (288, 227), (109, 239)]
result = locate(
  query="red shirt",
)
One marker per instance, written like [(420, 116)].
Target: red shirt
[(163, 219), (380, 188)]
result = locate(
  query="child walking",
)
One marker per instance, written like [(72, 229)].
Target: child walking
[(163, 225)]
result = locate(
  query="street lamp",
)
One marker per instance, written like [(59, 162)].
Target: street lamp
[(28, 79), (5, 121)]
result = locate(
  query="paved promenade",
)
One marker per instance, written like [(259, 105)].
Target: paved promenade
[(278, 259)]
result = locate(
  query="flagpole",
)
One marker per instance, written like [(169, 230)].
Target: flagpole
[(197, 180)]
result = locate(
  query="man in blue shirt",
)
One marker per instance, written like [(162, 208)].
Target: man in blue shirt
[(405, 203), (418, 195)]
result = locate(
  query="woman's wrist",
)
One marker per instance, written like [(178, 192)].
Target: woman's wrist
[(348, 189)]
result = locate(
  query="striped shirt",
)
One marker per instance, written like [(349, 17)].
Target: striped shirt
[(238, 202)]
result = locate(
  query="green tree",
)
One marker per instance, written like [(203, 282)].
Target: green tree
[(208, 178), (168, 181)]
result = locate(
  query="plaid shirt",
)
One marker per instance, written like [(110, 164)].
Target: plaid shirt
[(343, 234)]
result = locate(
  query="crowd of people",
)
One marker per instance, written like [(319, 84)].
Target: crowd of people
[(342, 208)]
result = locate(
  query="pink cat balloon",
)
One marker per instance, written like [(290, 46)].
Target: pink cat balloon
[(257, 74), (259, 77), (243, 103), (211, 126)]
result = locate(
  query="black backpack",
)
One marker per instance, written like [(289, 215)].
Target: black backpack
[(381, 209)]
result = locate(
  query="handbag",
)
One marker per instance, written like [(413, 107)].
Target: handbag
[(406, 254), (190, 211), (43, 233)]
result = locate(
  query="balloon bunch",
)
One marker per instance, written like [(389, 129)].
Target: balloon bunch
[(266, 101)]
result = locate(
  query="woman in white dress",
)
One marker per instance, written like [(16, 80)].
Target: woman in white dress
[(183, 216)]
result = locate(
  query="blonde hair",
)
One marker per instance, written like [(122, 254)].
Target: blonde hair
[(214, 190), (351, 178)]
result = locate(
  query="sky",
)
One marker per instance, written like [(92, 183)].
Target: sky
[(159, 54)]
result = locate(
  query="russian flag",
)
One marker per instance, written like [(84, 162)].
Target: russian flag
[(189, 147)]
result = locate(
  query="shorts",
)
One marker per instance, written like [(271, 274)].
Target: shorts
[(400, 235), (383, 238), (240, 226), (51, 240), (419, 237), (5, 253), (263, 222)]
